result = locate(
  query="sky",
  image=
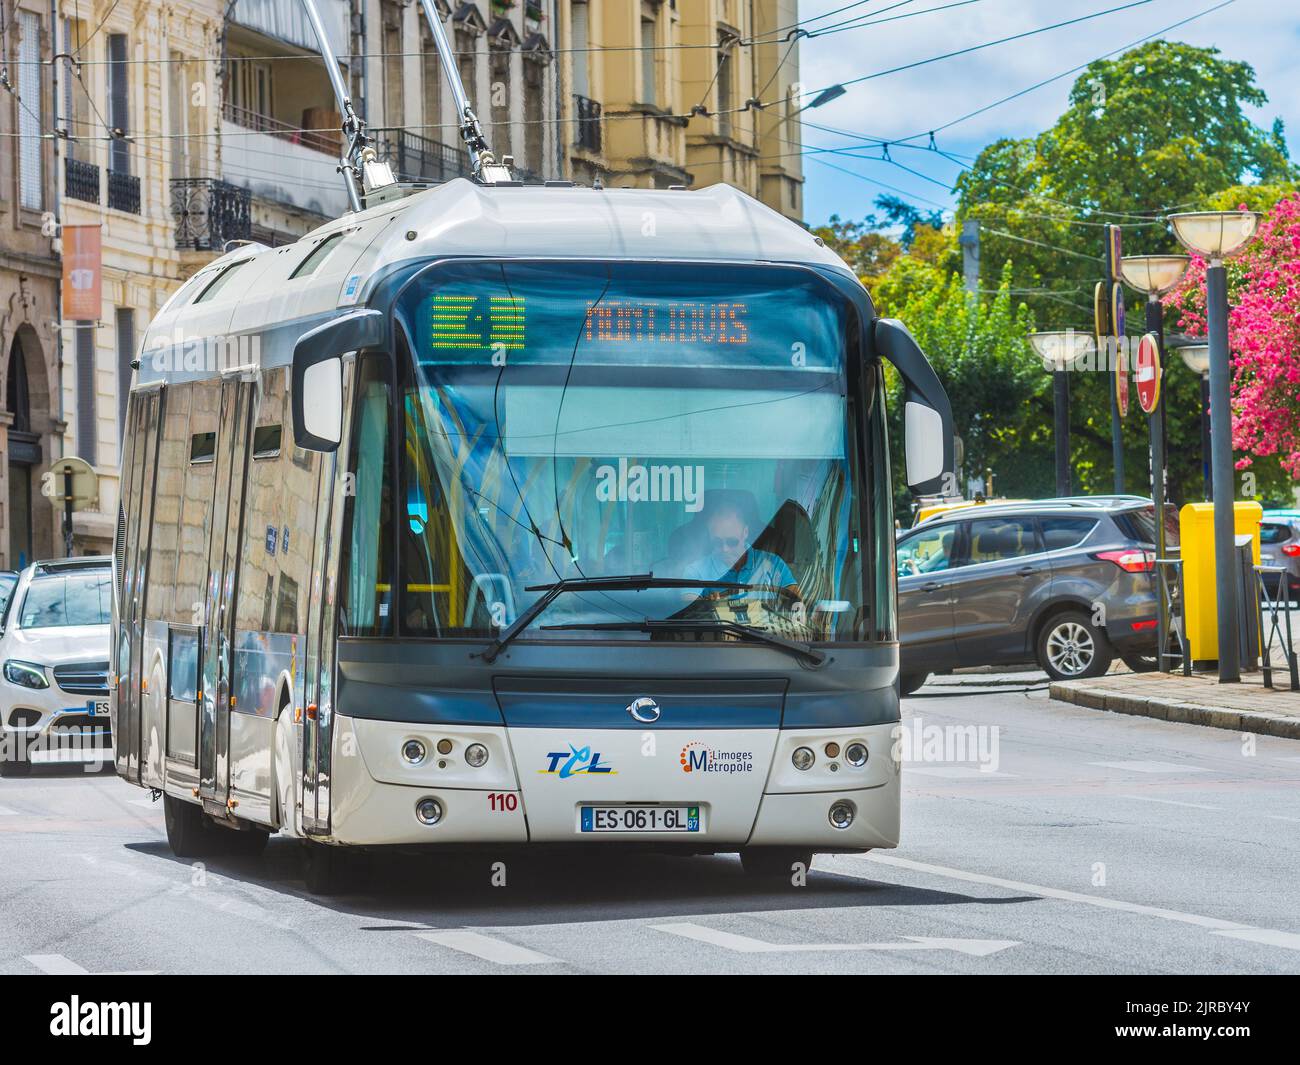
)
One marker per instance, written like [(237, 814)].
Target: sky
[(1263, 33)]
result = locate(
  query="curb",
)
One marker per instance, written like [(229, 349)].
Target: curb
[(1257, 721)]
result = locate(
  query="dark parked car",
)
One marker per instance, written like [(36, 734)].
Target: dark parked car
[(1279, 545), (1067, 583)]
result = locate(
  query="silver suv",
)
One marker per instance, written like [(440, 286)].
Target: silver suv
[(1279, 545), (1068, 583)]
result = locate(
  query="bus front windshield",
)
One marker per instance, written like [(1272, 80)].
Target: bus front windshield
[(588, 420)]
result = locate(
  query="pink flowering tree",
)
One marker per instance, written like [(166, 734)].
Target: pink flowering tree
[(1263, 337)]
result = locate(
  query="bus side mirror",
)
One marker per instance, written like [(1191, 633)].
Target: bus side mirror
[(317, 386), (927, 414)]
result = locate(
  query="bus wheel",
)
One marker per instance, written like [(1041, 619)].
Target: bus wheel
[(909, 683), (323, 868), (775, 863), (246, 843), (12, 764), (188, 835)]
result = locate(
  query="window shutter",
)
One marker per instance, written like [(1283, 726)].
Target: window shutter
[(30, 113), (125, 353), (86, 391), (119, 111)]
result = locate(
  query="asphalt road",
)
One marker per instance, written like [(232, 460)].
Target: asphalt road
[(1094, 843)]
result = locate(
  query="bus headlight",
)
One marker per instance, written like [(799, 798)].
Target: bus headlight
[(476, 755), (413, 751), (25, 674), (842, 814), (856, 754), (428, 811), (803, 758)]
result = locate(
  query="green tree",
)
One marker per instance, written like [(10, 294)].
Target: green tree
[(1161, 128)]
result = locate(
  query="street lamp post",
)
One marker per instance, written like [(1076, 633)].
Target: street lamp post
[(1214, 235), (1059, 352), (1154, 275)]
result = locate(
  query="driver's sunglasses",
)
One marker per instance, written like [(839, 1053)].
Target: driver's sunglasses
[(728, 543)]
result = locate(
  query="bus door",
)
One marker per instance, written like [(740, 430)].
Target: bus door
[(322, 625), (140, 467), (238, 413)]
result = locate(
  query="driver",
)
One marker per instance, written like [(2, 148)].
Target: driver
[(731, 558)]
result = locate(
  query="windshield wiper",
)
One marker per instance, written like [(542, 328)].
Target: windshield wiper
[(806, 651), (634, 582)]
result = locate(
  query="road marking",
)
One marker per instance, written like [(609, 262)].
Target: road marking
[(1213, 924), (1279, 817), (746, 945), (58, 965), (1152, 767), (1169, 802), (6, 812), (1264, 935), (955, 772), (485, 947)]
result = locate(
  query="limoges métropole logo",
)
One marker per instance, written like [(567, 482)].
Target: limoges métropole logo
[(699, 757)]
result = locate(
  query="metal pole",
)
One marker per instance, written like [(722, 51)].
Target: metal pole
[(1207, 472), (67, 511), (1061, 414), (1155, 319), (1225, 563), (352, 127), (1116, 425)]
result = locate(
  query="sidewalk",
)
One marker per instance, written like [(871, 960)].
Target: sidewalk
[(1197, 700)]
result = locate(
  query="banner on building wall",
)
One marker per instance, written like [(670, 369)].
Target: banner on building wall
[(82, 274)]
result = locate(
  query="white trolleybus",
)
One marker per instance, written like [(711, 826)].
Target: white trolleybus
[(499, 514)]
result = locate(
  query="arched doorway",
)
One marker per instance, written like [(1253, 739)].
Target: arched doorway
[(24, 457)]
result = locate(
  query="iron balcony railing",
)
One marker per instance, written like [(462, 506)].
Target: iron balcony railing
[(586, 132), (320, 139), (123, 192), (81, 180), (416, 158), (209, 213)]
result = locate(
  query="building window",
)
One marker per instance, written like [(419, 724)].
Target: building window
[(500, 97), (725, 95), (86, 391), (31, 112), (534, 122), (394, 94), (119, 103), (125, 353), (649, 60), (581, 38), (431, 76), (466, 51)]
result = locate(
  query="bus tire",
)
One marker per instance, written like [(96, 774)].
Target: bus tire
[(323, 868), (910, 683), (188, 834), (775, 863), (246, 842)]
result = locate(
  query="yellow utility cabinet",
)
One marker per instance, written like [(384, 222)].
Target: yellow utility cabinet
[(1196, 544)]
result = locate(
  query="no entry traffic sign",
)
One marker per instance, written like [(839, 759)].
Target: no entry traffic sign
[(1147, 372)]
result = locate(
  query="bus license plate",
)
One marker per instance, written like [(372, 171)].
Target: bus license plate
[(98, 707), (639, 818)]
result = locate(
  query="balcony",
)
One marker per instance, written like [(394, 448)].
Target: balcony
[(416, 158), (123, 192), (586, 133), (209, 213), (80, 180), (280, 164)]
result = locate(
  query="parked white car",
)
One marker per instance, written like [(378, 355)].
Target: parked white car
[(54, 641)]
